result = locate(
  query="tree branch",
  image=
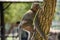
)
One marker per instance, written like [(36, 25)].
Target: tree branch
[(7, 6)]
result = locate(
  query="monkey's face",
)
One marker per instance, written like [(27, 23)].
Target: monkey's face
[(35, 7)]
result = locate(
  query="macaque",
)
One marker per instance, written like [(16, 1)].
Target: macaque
[(27, 20)]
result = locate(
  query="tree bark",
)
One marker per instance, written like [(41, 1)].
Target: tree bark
[(45, 16)]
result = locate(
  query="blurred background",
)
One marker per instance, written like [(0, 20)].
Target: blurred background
[(14, 13)]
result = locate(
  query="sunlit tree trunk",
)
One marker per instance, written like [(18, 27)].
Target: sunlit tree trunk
[(45, 16)]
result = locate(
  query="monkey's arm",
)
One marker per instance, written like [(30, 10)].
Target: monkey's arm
[(38, 28)]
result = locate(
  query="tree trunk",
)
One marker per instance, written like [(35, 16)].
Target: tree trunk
[(2, 25), (45, 16)]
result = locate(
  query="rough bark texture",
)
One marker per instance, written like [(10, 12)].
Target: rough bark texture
[(45, 16)]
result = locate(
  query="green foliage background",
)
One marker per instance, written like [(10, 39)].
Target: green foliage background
[(15, 11), (57, 13)]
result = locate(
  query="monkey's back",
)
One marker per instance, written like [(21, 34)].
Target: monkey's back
[(29, 15)]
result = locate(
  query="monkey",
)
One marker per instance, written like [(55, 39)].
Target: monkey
[(27, 20)]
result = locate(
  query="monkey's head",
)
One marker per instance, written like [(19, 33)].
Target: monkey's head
[(35, 6), (17, 23)]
